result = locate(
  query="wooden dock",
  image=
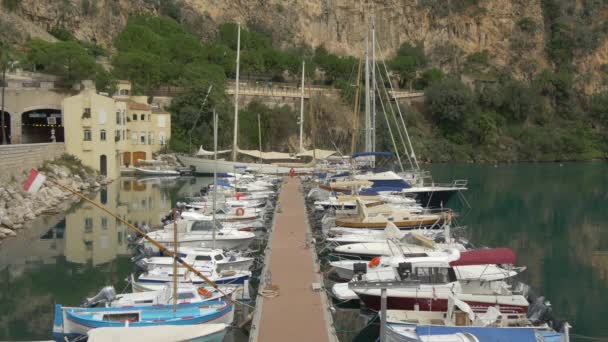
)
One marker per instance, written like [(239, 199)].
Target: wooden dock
[(297, 313)]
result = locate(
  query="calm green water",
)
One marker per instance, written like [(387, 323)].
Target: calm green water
[(64, 258), (553, 216)]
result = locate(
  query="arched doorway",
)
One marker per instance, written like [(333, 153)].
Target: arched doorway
[(37, 126), (7, 129), (103, 165)]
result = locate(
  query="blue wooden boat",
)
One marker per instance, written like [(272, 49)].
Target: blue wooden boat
[(72, 322)]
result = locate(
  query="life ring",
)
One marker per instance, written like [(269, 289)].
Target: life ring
[(203, 292), (240, 211), (374, 262)]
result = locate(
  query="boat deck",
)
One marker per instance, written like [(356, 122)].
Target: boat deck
[(297, 313)]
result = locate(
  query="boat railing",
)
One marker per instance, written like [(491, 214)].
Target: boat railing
[(459, 183)]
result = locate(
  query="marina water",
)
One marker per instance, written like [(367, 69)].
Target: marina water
[(554, 217)]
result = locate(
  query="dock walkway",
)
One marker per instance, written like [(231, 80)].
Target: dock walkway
[(297, 313)]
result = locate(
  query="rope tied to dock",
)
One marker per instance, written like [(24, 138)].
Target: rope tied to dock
[(269, 291)]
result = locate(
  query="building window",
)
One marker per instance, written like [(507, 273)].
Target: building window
[(104, 223), (161, 121), (134, 117), (117, 135), (123, 135), (161, 138), (87, 113), (102, 135), (124, 119), (151, 138), (134, 138), (149, 117), (142, 138), (88, 224), (143, 117), (87, 135), (118, 118)]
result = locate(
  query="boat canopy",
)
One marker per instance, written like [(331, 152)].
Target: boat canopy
[(204, 153), (267, 155), (486, 257), (363, 154), (317, 153), (223, 183)]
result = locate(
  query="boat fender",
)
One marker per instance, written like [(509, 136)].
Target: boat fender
[(203, 292), (240, 212), (374, 262)]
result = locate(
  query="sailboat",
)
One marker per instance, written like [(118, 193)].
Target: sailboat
[(206, 166)]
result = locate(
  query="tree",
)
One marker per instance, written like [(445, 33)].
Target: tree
[(141, 68), (409, 59), (66, 59), (449, 103)]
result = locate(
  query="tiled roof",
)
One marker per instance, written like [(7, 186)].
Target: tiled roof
[(138, 106)]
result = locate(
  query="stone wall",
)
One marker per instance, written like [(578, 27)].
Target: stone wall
[(19, 158)]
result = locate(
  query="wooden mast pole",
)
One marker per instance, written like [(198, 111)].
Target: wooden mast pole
[(353, 141)]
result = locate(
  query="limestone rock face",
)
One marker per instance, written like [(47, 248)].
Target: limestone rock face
[(448, 34)]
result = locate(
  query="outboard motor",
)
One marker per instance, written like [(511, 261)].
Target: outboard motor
[(539, 311), (141, 265), (106, 295)]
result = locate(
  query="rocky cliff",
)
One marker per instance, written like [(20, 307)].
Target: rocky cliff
[(450, 30)]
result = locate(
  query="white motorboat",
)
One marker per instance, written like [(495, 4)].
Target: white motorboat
[(433, 283), (202, 257), (200, 234), (386, 266), (164, 275)]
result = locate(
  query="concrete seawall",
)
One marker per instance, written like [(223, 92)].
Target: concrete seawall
[(19, 158)]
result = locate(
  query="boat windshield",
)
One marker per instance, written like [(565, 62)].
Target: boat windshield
[(205, 226)]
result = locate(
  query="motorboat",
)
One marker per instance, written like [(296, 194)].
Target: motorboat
[(165, 275), (383, 268), (202, 257), (433, 283), (200, 234), (378, 218), (460, 318)]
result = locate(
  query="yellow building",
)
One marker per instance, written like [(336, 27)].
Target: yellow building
[(94, 130), (148, 125)]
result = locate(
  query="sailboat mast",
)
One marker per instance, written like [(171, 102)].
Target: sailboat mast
[(260, 136), (373, 88), (302, 108), (236, 96), (368, 142), (353, 139), (174, 260), (214, 173)]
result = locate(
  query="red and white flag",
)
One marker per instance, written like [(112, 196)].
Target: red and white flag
[(34, 181)]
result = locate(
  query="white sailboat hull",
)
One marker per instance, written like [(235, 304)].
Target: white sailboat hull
[(206, 166)]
